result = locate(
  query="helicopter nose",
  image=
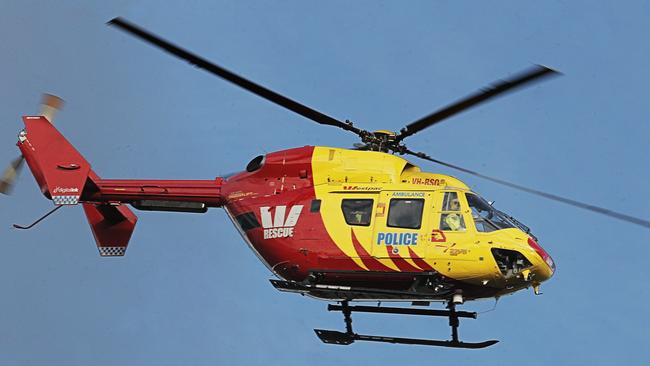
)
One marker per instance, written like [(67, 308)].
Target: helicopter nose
[(542, 253)]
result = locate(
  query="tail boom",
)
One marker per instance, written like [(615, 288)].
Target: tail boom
[(65, 177), (132, 190)]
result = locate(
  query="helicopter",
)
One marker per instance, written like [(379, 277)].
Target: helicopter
[(336, 224)]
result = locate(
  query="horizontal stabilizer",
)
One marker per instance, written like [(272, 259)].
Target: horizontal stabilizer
[(112, 227)]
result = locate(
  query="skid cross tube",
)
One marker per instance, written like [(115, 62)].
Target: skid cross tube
[(347, 316), (389, 310), (453, 321), (349, 337)]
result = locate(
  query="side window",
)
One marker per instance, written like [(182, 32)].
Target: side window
[(315, 206), (486, 218), (451, 218), (357, 212), (405, 213), (247, 221)]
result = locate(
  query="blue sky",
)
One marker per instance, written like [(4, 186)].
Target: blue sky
[(190, 291)]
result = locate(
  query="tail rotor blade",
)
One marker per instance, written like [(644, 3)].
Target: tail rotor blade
[(50, 104), (10, 174)]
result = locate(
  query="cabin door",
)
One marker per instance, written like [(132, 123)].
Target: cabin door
[(401, 229)]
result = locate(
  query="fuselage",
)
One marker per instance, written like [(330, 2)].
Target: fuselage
[(374, 219)]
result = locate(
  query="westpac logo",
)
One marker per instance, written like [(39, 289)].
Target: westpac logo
[(279, 224)]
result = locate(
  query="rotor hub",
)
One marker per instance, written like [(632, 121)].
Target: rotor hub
[(381, 140)]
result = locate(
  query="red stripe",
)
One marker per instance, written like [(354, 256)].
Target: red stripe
[(403, 265), (370, 262), (420, 262)]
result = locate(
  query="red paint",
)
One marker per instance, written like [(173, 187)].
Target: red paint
[(112, 226), (438, 236), (402, 264), (45, 150), (371, 262), (419, 261), (129, 190), (542, 253)]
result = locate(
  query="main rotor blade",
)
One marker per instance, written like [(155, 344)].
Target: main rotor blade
[(535, 73), (568, 201), (261, 91)]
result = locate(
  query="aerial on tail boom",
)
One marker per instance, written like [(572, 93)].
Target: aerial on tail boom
[(336, 224)]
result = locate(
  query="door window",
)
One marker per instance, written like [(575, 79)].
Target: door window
[(405, 213)]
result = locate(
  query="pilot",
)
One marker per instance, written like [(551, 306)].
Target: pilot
[(454, 205), (454, 220)]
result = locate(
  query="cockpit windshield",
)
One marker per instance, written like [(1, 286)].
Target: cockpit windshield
[(487, 218)]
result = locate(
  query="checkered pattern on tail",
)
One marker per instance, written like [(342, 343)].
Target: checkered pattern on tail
[(65, 200), (112, 251)]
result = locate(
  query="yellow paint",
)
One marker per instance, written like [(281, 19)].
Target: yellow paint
[(346, 174)]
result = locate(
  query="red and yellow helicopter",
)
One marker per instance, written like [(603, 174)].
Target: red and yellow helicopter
[(336, 224)]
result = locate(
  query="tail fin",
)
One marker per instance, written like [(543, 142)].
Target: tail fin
[(112, 227), (62, 175), (60, 170)]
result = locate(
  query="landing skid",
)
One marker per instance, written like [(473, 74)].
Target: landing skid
[(340, 338), (349, 336)]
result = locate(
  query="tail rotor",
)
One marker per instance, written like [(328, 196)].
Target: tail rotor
[(10, 174), (50, 105)]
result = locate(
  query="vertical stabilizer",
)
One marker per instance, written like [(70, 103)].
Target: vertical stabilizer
[(60, 170)]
